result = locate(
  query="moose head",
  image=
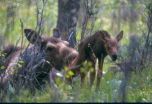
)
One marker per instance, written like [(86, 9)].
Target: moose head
[(111, 44), (56, 50)]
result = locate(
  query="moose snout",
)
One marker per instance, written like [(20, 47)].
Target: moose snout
[(114, 57)]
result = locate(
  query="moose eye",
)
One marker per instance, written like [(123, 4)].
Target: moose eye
[(49, 48)]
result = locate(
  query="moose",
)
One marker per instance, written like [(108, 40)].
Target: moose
[(48, 53), (96, 46), (43, 54)]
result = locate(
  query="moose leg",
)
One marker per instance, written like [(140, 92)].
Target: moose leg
[(99, 72), (82, 75), (92, 77), (92, 74), (78, 63)]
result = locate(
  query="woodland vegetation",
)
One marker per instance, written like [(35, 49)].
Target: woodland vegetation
[(128, 79)]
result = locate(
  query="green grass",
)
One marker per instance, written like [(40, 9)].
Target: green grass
[(139, 89), (140, 86)]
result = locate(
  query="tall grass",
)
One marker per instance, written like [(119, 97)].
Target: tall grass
[(138, 90)]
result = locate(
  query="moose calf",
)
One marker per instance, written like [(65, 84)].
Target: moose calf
[(97, 46)]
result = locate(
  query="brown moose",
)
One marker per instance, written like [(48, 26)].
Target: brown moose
[(54, 47), (51, 51), (97, 46)]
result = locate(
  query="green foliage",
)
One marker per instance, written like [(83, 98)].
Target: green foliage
[(68, 73), (86, 67), (139, 87), (2, 59), (139, 90), (28, 15)]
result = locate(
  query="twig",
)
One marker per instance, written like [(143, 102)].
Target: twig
[(21, 34)]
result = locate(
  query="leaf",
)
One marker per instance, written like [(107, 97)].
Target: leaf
[(70, 73), (2, 67)]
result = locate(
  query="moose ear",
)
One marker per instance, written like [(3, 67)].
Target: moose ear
[(56, 33), (105, 36), (119, 36), (32, 36)]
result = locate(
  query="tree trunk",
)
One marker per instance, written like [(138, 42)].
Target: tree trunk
[(10, 17), (67, 19)]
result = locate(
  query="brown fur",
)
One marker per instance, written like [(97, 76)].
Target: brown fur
[(58, 52), (54, 50), (54, 47), (97, 46), (9, 52)]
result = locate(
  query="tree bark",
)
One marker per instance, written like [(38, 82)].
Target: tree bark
[(10, 17), (67, 19)]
